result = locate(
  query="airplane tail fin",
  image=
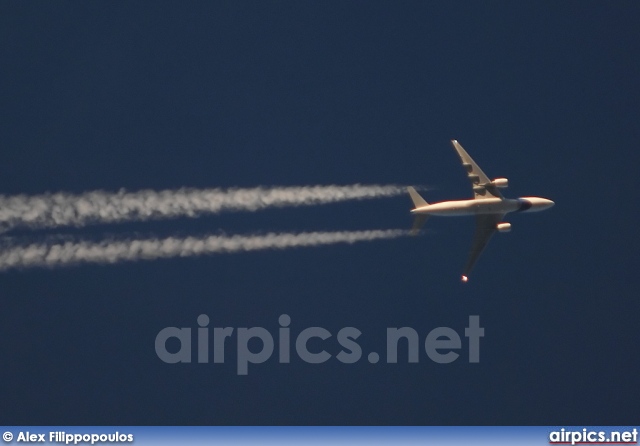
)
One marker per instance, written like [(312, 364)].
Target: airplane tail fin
[(418, 201)]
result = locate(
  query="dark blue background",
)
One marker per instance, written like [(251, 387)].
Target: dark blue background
[(102, 95)]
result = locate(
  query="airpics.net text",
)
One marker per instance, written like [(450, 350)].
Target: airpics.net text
[(441, 345)]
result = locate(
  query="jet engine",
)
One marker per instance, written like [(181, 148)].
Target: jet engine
[(500, 182), (504, 227)]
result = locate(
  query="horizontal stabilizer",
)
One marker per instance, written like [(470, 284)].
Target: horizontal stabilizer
[(418, 201), (418, 223)]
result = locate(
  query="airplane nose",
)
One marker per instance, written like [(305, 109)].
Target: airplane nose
[(535, 204)]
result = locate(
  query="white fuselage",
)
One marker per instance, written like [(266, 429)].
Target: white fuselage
[(484, 206)]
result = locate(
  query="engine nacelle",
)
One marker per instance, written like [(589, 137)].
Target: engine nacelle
[(500, 182), (503, 227)]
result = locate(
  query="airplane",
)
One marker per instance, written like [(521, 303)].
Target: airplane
[(488, 205)]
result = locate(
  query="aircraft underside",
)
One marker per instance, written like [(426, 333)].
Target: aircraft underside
[(488, 205)]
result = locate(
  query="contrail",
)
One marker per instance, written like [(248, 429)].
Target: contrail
[(65, 253), (100, 207)]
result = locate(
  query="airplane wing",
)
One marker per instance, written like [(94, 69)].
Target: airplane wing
[(485, 228), (479, 181)]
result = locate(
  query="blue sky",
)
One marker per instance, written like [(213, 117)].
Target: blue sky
[(163, 95)]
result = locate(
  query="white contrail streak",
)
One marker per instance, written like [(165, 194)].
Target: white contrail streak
[(99, 207), (114, 251)]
